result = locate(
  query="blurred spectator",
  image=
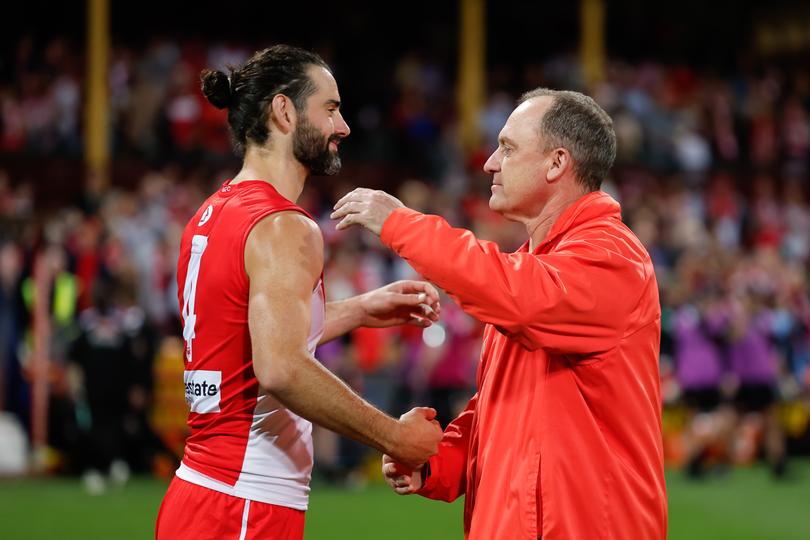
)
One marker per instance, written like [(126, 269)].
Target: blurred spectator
[(14, 394), (755, 367), (700, 371), (103, 356)]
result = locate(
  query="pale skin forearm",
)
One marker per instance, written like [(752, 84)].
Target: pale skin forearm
[(342, 316), (311, 391), (337, 407), (401, 302), (285, 368)]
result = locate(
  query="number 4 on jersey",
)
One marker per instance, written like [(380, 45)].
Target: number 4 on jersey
[(198, 245)]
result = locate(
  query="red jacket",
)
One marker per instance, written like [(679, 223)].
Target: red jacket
[(563, 438)]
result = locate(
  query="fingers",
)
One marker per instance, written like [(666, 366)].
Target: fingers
[(391, 468), (428, 412), (351, 207), (430, 312), (414, 286), (409, 299), (353, 195), (347, 222), (403, 485), (395, 470), (418, 320), (399, 477), (427, 294), (349, 216), (406, 488), (424, 319), (353, 211), (430, 290), (429, 307), (360, 194)]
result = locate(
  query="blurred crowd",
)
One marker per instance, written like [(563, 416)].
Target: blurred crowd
[(667, 117), (712, 174)]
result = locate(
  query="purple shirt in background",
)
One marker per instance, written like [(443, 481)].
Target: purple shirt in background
[(698, 360), (456, 367), (752, 357), (330, 354)]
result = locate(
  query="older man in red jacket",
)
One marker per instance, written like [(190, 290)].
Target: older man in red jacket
[(563, 438)]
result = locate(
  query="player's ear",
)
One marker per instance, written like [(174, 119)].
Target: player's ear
[(282, 113)]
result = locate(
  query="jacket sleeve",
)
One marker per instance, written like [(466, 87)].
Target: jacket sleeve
[(448, 468), (574, 300)]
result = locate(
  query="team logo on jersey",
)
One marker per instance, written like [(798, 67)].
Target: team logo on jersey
[(203, 390), (206, 215)]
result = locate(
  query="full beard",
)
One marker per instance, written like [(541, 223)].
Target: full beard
[(311, 148)]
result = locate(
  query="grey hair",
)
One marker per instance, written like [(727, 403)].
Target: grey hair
[(575, 122)]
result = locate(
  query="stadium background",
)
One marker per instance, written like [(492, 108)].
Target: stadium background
[(100, 169)]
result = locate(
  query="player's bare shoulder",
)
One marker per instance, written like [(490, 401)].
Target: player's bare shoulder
[(287, 235), (287, 226)]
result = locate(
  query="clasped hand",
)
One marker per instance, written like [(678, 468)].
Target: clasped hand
[(403, 472)]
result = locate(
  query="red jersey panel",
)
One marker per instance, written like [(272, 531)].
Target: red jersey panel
[(243, 442)]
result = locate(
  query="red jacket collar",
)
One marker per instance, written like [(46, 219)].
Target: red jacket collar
[(593, 205)]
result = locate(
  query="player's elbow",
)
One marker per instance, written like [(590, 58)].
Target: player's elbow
[(274, 376)]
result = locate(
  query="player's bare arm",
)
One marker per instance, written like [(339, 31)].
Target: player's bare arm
[(284, 260), (401, 302)]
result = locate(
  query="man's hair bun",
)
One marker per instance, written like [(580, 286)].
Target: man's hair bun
[(216, 87)]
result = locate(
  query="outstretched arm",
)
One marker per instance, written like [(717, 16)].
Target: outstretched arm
[(402, 302), (575, 299)]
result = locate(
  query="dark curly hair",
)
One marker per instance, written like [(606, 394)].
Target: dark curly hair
[(247, 92)]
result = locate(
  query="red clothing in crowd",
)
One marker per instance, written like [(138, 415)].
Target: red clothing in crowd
[(563, 439)]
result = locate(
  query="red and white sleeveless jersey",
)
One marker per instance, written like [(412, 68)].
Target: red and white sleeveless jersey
[(243, 441)]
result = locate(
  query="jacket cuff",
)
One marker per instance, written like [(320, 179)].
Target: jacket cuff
[(432, 477), (393, 223)]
